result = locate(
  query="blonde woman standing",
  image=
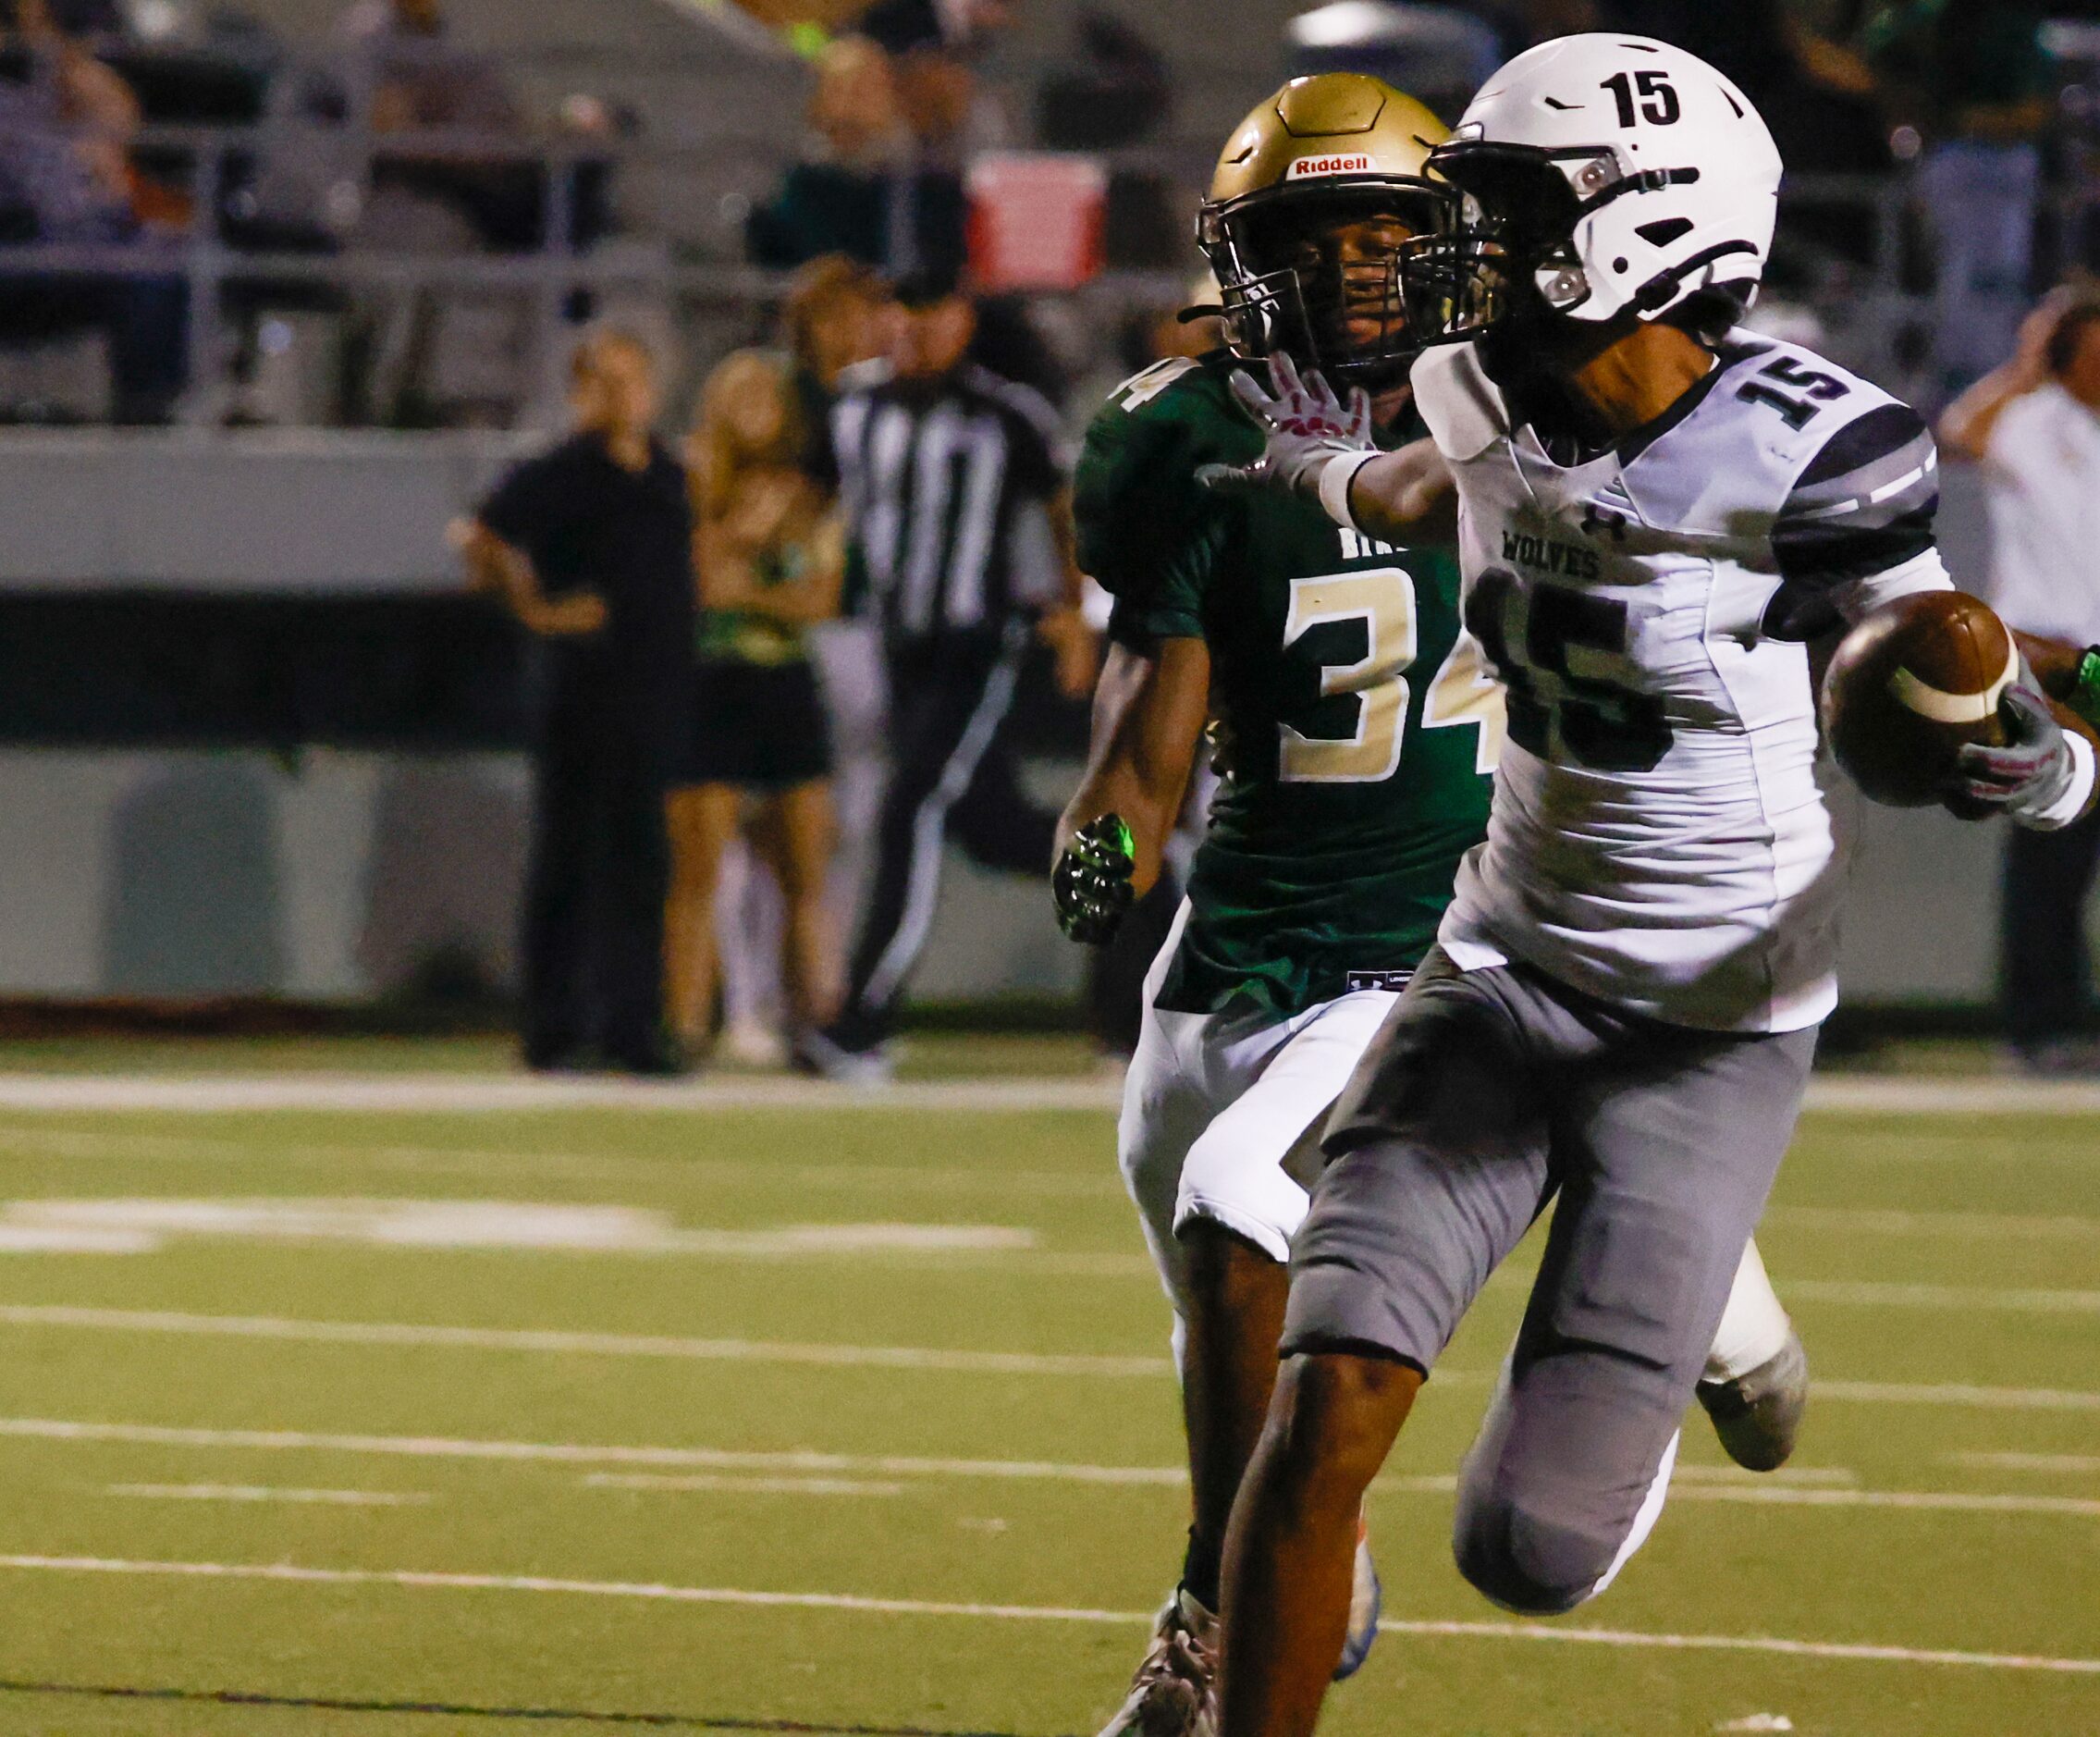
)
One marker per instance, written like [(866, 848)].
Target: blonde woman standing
[(770, 561)]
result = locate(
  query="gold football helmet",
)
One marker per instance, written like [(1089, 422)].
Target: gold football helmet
[(1313, 197)]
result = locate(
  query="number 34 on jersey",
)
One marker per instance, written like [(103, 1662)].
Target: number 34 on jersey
[(1383, 600)]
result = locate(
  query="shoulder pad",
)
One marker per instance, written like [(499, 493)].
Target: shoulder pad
[(1461, 407), (1136, 497)]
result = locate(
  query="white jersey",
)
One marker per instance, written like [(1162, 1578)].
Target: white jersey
[(1658, 837)]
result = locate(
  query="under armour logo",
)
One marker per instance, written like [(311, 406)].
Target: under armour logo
[(1596, 519)]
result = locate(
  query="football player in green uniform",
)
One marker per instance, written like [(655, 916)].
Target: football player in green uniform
[(1358, 733)]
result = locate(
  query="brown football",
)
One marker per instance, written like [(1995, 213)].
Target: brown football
[(1910, 687)]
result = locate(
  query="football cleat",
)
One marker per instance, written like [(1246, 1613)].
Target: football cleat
[(1367, 1598), (816, 1053), (1174, 1693), (1758, 1415)]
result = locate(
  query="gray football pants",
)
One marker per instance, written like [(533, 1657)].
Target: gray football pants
[(1485, 1094)]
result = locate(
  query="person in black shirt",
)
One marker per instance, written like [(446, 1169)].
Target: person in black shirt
[(591, 547), (959, 542)]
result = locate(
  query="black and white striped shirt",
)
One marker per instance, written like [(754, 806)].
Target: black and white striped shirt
[(947, 487)]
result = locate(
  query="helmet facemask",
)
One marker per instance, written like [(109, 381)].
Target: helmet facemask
[(1511, 253), (1315, 274)]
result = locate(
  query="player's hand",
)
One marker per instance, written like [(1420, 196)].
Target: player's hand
[(2026, 778), (2030, 356), (1091, 882), (1306, 424), (570, 617)]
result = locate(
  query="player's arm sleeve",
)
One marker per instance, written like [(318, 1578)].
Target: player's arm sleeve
[(523, 507), (1146, 532), (1857, 530)]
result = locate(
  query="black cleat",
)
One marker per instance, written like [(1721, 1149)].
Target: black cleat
[(1757, 1416)]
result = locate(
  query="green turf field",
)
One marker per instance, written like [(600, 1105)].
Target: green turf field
[(856, 1415)]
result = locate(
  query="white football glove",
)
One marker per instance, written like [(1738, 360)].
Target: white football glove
[(2033, 778), (1307, 427)]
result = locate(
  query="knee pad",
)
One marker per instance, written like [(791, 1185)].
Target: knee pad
[(1242, 1188), (1526, 1560)]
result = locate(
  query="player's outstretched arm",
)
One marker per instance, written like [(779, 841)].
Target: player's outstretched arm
[(1149, 710), (1405, 496), (1321, 446)]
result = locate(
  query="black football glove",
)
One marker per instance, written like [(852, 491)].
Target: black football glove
[(1091, 881), (2025, 778)]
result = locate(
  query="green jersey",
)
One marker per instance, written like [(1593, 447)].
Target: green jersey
[(1361, 727)]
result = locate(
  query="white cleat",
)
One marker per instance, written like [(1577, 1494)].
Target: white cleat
[(1756, 1384), (1174, 1693), (1758, 1415)]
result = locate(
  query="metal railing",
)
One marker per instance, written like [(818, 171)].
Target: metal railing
[(1865, 292), (551, 273)]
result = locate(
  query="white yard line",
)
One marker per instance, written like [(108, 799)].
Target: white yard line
[(1956, 1394), (2077, 1465), (580, 1344), (719, 1483), (1839, 1094), (489, 1093), (271, 1492), (1873, 1294), (586, 1453), (569, 1343), (105, 1147), (480, 1093), (294, 1574), (1924, 1501), (1871, 1221), (876, 1474)]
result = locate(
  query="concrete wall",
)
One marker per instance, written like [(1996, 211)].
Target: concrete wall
[(344, 878), (340, 512)]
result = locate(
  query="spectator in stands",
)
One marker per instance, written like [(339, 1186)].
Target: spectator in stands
[(67, 179), (953, 491), (770, 561), (591, 547), (2034, 424), (77, 17), (865, 195), (1974, 73), (429, 357), (414, 77), (1819, 98)]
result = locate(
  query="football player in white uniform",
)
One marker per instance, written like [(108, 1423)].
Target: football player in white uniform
[(1656, 512)]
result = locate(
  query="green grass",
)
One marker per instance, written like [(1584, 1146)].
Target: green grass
[(2017, 1200)]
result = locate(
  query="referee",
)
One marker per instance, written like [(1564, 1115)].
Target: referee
[(953, 492)]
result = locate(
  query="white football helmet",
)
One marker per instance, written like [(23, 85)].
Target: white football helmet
[(1602, 173)]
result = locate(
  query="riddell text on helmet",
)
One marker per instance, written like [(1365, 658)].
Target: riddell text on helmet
[(1354, 165)]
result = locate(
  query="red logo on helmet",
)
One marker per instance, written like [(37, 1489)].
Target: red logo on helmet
[(1356, 165)]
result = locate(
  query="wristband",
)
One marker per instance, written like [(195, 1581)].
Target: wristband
[(2084, 696), (2076, 793), (1335, 476)]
